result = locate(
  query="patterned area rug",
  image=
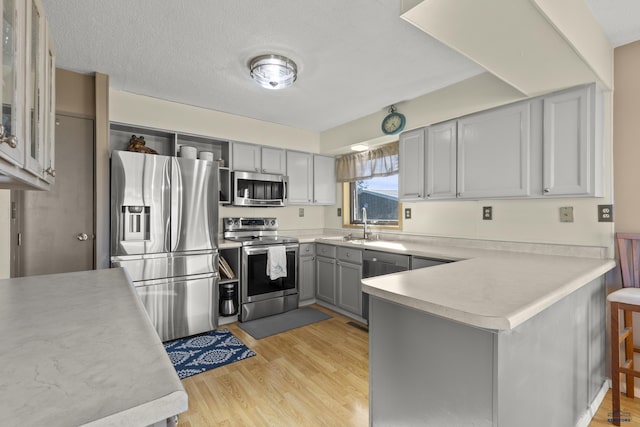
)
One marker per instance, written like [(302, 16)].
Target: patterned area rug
[(200, 353)]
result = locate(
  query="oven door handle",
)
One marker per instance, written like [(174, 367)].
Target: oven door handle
[(254, 250)]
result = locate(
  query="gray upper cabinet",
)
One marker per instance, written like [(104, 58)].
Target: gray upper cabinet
[(274, 161), (440, 161), (312, 179), (246, 157), (300, 173), (572, 144), (324, 180), (494, 153), (411, 165)]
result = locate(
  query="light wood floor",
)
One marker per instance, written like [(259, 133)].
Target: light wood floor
[(317, 375), (311, 376), (632, 406)]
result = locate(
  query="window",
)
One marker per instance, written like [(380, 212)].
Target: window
[(370, 180), (379, 195)]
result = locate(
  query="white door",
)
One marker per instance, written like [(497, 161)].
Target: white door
[(440, 161), (569, 158), (494, 153), (57, 226), (411, 165), (300, 173), (274, 161), (324, 180)]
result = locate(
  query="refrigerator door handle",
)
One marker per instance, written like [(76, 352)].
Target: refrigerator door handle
[(176, 204)]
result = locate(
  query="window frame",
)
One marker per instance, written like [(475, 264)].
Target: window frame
[(347, 213)]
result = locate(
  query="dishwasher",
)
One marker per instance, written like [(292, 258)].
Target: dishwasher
[(375, 263)]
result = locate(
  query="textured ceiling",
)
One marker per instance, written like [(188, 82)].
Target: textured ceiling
[(620, 19), (355, 57)]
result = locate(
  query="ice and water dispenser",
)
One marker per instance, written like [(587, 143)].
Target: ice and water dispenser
[(135, 222)]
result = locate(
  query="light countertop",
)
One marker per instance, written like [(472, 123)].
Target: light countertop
[(489, 289), (78, 349)]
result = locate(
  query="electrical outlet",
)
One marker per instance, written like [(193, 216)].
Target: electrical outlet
[(487, 212), (407, 213), (605, 213), (566, 214), (300, 212), (339, 211)]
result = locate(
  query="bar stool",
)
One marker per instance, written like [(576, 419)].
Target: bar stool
[(626, 299)]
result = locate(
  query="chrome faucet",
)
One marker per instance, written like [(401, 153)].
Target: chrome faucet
[(364, 222)]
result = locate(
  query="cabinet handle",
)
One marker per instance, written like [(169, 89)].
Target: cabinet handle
[(264, 171), (428, 195), (10, 140), (50, 171), (547, 190), (257, 169), (458, 194)]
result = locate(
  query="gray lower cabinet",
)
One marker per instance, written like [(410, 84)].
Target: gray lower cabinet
[(307, 272), (350, 287), (348, 280), (326, 279)]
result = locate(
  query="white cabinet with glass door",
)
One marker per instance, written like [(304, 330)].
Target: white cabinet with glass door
[(35, 88), (50, 111), (12, 143)]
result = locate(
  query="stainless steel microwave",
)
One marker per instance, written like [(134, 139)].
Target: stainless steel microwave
[(259, 189)]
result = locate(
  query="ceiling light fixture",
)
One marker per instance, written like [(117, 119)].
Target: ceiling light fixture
[(273, 71), (359, 147)]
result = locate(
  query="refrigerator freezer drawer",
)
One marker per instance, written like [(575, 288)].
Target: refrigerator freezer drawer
[(182, 307), (167, 265)]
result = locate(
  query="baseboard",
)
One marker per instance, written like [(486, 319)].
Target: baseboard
[(593, 408)]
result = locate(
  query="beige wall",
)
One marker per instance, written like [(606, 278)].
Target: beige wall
[(75, 93), (626, 135)]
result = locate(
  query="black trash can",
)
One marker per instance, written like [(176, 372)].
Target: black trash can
[(228, 299)]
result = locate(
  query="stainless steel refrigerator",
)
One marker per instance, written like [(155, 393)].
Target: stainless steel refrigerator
[(164, 231)]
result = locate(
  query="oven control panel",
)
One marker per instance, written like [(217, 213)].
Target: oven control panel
[(250, 224)]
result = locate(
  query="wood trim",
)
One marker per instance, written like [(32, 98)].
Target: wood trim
[(346, 212), (101, 182)]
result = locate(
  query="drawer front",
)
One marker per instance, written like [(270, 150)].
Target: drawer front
[(326, 250), (307, 249), (350, 255)]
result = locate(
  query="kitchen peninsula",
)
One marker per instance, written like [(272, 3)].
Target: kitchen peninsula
[(78, 349), (497, 339)]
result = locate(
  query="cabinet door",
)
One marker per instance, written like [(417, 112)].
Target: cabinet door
[(494, 153), (35, 90), (440, 161), (300, 173), (411, 165), (307, 277), (350, 287), (12, 137), (50, 112), (246, 157), (324, 180), (274, 161), (569, 143), (326, 279)]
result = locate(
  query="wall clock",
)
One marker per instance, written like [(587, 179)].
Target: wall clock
[(393, 122)]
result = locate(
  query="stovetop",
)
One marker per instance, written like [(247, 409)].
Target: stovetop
[(261, 240)]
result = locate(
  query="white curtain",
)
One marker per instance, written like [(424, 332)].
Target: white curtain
[(379, 161)]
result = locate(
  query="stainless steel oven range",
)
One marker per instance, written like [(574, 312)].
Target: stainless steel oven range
[(260, 295)]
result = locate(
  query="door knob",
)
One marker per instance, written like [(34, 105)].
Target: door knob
[(82, 237)]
